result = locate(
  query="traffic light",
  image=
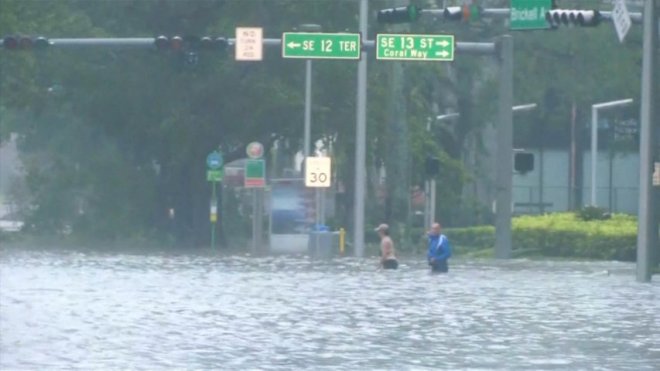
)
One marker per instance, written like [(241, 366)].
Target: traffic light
[(163, 43), (432, 166), (523, 162), (463, 13), (583, 18), (24, 43), (213, 44), (404, 14), (190, 43)]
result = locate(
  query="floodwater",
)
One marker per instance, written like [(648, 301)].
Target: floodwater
[(72, 310)]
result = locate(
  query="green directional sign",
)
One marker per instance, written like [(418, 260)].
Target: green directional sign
[(316, 45), (214, 175), (415, 47), (529, 14)]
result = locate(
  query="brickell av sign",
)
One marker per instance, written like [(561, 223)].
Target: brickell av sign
[(529, 14), (415, 47), (317, 45)]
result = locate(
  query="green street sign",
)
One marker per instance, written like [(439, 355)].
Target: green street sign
[(529, 14), (415, 47), (255, 174), (317, 45), (214, 175)]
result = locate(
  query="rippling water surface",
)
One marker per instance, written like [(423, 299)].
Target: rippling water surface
[(156, 311)]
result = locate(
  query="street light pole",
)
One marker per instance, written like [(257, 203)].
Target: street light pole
[(429, 185), (308, 93), (308, 107), (318, 205), (647, 232), (504, 178), (594, 138), (361, 139)]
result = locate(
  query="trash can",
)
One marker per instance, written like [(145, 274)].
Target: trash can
[(323, 244)]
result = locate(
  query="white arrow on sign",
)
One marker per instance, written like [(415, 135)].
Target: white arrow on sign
[(443, 43), (293, 45), (443, 54)]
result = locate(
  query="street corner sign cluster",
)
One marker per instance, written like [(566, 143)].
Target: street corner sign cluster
[(415, 47)]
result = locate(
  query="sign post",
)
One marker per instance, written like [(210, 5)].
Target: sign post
[(318, 176), (529, 14), (404, 47), (214, 174), (318, 45), (255, 178)]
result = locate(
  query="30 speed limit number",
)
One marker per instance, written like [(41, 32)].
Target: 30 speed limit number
[(317, 172)]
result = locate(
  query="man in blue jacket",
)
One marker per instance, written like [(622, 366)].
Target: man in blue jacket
[(439, 250)]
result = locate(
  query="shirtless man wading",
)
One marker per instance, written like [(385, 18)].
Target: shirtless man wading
[(387, 253)]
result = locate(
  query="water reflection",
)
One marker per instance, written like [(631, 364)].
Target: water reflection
[(118, 311)]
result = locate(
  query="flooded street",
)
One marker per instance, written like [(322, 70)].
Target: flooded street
[(63, 310)]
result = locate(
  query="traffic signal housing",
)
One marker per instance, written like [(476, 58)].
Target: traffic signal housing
[(431, 166), (463, 13), (25, 42), (174, 43), (190, 43), (523, 162), (582, 18), (404, 14)]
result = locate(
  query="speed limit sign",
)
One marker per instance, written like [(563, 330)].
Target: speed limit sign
[(317, 172)]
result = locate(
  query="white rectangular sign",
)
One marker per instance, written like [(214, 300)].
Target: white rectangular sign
[(317, 172), (621, 19), (249, 44)]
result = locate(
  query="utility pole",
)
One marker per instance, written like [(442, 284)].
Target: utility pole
[(360, 140), (504, 177), (647, 233)]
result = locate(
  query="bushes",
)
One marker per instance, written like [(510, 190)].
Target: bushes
[(593, 213), (558, 235)]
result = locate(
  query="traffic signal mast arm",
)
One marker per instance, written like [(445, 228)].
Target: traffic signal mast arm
[(446, 13), (146, 42), (412, 13), (118, 42)]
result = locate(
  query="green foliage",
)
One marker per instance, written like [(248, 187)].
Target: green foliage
[(593, 213), (113, 138), (559, 235)]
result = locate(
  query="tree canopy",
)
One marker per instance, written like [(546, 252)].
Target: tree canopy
[(112, 138)]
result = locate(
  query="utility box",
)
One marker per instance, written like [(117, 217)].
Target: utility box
[(323, 244)]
